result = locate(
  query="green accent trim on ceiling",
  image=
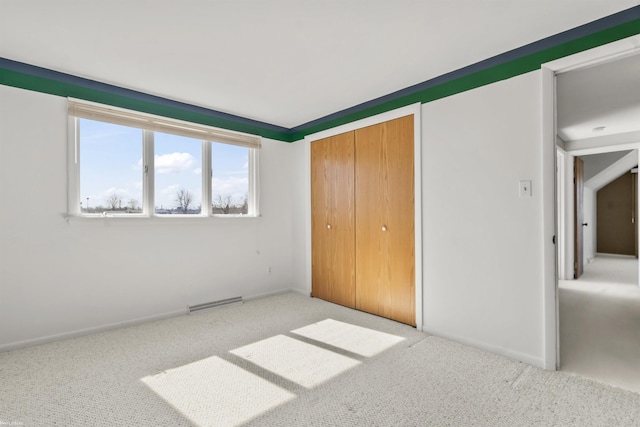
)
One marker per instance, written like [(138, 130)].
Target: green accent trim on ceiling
[(484, 77), (47, 81), (53, 87)]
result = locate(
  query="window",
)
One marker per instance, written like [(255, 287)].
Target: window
[(111, 174), (230, 179), (178, 174), (124, 163)]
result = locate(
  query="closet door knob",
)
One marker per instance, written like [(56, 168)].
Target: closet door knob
[(384, 228), (328, 226)]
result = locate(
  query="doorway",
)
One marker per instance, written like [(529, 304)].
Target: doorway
[(598, 294)]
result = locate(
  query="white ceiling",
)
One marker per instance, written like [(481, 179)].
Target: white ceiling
[(596, 163), (285, 62), (604, 95)]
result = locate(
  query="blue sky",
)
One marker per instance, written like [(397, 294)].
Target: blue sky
[(111, 162)]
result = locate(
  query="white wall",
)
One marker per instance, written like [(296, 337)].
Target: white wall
[(483, 253), (483, 272), (566, 231), (589, 208), (482, 244), (596, 163), (301, 223), (58, 278)]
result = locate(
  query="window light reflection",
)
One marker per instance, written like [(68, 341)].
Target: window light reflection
[(356, 339), (305, 364), (214, 392)]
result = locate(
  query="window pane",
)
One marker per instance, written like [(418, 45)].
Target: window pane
[(178, 174), (110, 168), (230, 179)]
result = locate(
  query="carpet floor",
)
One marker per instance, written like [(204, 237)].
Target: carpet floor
[(600, 322), (289, 360)]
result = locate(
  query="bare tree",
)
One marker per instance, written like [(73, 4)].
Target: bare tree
[(184, 199), (132, 204), (114, 202), (244, 206), (223, 203)]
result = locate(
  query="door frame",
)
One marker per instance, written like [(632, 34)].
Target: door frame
[(609, 52), (415, 110), (578, 217)]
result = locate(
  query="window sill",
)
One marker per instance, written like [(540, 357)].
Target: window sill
[(160, 218)]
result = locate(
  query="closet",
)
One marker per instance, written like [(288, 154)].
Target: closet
[(362, 219)]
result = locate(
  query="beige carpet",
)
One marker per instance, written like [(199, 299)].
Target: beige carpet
[(289, 360), (600, 322)]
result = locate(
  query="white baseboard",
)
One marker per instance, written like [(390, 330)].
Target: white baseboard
[(275, 292), (532, 360), (87, 331), (511, 354), (304, 292), (605, 255), (125, 323)]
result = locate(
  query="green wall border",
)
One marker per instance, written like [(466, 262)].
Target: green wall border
[(484, 77), (511, 64), (64, 89)]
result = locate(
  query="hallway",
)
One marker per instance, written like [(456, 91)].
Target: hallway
[(600, 322)]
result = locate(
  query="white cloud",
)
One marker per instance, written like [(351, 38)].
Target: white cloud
[(166, 197), (173, 163), (236, 186), (170, 190), (197, 171), (123, 193), (114, 190)]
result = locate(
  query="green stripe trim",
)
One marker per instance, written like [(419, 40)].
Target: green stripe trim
[(503, 71), (53, 87), (485, 77)]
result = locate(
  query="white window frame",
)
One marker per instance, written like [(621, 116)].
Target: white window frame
[(251, 142)]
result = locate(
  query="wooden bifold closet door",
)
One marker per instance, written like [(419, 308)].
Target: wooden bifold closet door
[(385, 238), (362, 219), (332, 220)]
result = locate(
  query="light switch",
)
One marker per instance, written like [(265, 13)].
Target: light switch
[(525, 188)]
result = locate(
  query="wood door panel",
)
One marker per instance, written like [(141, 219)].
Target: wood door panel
[(332, 204), (384, 194), (616, 230), (578, 217)]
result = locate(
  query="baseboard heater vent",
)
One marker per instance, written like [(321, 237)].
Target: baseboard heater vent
[(212, 304)]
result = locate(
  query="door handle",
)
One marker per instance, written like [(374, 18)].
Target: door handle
[(584, 224)]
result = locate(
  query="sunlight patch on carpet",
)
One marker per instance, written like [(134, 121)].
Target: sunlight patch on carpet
[(356, 339), (214, 392), (297, 361)]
